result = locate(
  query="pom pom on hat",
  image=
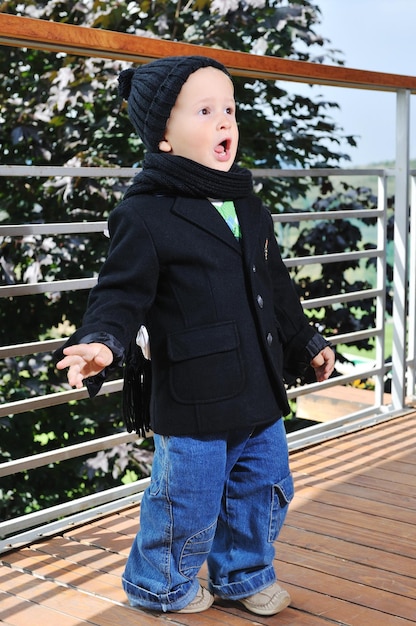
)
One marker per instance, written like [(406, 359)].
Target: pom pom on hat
[(151, 91)]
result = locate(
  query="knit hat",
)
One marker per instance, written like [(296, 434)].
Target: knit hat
[(151, 91)]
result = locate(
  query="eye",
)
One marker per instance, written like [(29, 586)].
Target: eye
[(229, 110), (204, 111)]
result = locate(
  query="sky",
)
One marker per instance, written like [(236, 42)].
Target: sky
[(376, 35)]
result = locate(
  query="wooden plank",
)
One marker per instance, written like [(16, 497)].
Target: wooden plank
[(372, 507), (394, 532), (354, 487), (17, 612), (106, 586), (101, 536), (347, 550), (116, 523), (382, 583), (340, 599), (85, 572), (332, 609), (34, 33), (63, 607), (398, 469), (336, 527), (52, 604), (400, 446)]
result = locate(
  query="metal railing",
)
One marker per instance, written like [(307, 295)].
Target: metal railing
[(27, 32)]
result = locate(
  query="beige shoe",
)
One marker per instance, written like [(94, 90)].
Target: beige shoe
[(270, 601), (201, 602)]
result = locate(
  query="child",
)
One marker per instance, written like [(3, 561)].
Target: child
[(193, 262)]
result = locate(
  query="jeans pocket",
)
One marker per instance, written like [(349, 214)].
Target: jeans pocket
[(195, 551), (282, 494)]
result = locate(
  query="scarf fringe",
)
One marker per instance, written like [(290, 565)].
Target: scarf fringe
[(136, 391)]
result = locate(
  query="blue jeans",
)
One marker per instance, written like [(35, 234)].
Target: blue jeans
[(220, 498)]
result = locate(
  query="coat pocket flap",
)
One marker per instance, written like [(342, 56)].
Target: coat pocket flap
[(202, 341)]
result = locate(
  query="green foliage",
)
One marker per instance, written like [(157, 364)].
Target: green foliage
[(58, 109), (344, 276)]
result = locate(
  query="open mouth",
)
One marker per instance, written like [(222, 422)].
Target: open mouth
[(223, 148)]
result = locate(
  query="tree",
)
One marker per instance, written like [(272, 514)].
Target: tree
[(59, 109), (339, 236)]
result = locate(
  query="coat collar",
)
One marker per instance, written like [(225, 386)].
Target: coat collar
[(204, 215)]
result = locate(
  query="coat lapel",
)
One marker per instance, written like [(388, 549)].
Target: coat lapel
[(249, 216), (204, 215)]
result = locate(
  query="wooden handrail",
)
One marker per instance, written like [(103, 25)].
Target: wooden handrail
[(28, 32)]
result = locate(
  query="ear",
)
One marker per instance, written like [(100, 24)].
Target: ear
[(164, 146)]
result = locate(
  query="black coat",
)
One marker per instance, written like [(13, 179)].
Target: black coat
[(222, 315)]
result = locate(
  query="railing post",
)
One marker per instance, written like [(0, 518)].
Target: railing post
[(411, 361), (380, 340), (401, 247)]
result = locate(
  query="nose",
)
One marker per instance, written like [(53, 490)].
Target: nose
[(223, 121)]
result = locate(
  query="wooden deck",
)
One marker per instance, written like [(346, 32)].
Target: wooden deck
[(347, 553)]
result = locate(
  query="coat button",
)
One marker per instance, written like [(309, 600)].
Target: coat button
[(269, 338), (254, 268), (260, 301)]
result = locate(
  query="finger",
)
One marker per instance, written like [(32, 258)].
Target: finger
[(75, 377), (68, 361), (82, 350), (76, 383), (75, 358)]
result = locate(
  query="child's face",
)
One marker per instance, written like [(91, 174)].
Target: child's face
[(202, 124)]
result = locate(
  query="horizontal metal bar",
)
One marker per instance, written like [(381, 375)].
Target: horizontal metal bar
[(365, 294), (47, 171), (327, 215), (34, 347), (7, 291), (74, 506), (341, 426), (355, 336), (66, 228), (31, 404), (70, 521), (340, 257), (38, 347), (360, 371), (47, 287), (63, 454), (54, 399), (320, 172)]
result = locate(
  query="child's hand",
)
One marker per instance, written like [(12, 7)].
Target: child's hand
[(84, 360), (323, 364)]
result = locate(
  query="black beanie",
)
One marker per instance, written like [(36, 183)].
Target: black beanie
[(151, 91)]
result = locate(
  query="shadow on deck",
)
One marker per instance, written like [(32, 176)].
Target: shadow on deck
[(347, 553)]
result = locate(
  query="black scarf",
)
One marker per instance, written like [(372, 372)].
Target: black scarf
[(169, 174)]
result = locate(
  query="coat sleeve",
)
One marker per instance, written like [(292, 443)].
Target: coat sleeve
[(300, 340), (127, 283), (126, 286)]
